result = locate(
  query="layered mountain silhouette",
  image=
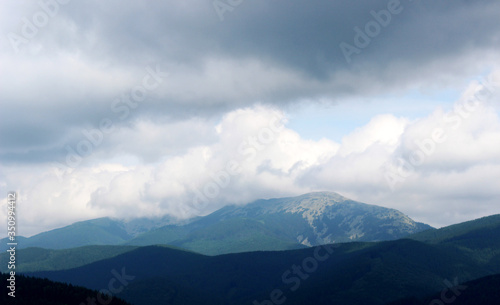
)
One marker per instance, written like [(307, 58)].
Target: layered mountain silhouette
[(101, 231), (411, 269), (332, 251), (274, 224)]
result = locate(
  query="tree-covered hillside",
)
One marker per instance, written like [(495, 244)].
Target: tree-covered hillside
[(36, 291)]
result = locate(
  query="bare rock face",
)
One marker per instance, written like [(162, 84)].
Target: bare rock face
[(326, 217)]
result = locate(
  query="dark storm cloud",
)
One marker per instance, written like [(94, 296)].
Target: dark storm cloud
[(298, 34), (264, 51)]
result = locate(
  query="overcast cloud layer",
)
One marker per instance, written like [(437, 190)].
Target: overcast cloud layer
[(181, 107)]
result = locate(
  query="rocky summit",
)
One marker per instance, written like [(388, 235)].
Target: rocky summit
[(324, 217)]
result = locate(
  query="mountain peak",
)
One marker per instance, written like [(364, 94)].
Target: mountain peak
[(314, 203), (328, 217), (315, 200), (329, 194)]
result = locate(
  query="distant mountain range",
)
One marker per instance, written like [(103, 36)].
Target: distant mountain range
[(274, 224), (412, 270), (101, 231), (336, 255)]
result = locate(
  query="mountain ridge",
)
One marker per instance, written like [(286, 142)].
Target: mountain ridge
[(353, 273), (346, 273), (266, 224), (317, 209)]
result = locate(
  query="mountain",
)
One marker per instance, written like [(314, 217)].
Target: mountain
[(285, 223), (475, 238), (273, 224), (344, 273), (227, 236), (100, 231), (353, 274), (39, 259), (456, 230), (30, 291), (325, 217)]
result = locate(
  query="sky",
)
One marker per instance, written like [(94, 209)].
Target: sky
[(151, 108)]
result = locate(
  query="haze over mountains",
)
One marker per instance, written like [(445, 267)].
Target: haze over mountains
[(410, 270), (189, 139), (333, 250), (274, 224)]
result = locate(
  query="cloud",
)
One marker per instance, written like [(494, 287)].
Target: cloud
[(87, 55), (215, 125), (382, 129), (441, 169), (250, 153)]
